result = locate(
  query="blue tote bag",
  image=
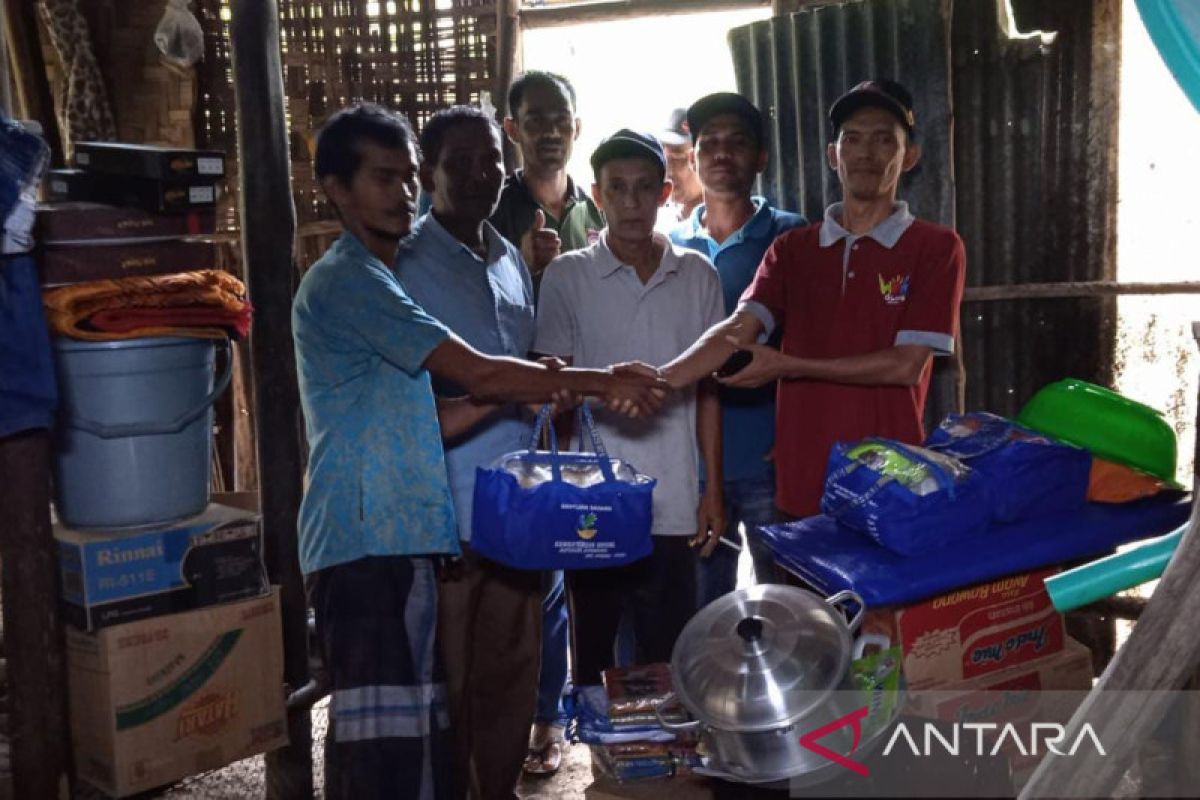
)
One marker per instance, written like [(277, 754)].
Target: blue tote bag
[(546, 510), (908, 499)]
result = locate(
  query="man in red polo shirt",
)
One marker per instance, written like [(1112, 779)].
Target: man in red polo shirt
[(864, 300)]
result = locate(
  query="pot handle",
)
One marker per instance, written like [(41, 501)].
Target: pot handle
[(672, 726), (847, 595), (860, 644)]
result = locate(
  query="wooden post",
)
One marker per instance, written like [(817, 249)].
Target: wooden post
[(33, 640), (508, 45), (781, 8), (1134, 693), (268, 219), (29, 72)]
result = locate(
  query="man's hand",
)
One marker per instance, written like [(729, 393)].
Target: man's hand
[(768, 365), (635, 390), (540, 245), (710, 521), (562, 399)]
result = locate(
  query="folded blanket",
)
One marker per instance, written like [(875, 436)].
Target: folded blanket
[(206, 304)]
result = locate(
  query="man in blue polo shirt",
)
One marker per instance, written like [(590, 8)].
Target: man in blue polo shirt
[(734, 228), (377, 512)]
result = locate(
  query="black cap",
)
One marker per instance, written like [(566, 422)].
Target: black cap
[(676, 130), (627, 143), (878, 93), (712, 105)]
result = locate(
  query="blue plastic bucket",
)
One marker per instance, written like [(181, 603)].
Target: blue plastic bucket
[(134, 439)]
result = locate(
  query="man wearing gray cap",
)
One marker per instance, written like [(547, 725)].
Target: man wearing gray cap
[(634, 295)]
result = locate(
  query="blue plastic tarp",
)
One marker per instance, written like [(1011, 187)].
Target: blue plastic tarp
[(832, 557)]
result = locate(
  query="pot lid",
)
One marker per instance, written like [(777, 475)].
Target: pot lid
[(760, 658)]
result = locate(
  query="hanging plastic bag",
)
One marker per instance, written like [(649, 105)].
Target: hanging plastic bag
[(179, 36)]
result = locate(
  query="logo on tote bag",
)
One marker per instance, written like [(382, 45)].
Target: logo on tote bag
[(586, 526)]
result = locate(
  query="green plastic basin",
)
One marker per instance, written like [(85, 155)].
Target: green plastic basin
[(1109, 425)]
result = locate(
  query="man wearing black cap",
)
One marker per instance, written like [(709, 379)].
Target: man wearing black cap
[(633, 292), (686, 191), (864, 299), (734, 228)]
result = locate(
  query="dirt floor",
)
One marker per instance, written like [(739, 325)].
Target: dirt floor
[(245, 779)]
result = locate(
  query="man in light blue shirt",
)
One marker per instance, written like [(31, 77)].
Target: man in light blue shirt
[(377, 511), (463, 272), (734, 229)]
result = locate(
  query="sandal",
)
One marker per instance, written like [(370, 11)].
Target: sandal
[(544, 760)]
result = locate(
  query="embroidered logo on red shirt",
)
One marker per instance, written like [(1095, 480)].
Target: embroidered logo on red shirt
[(895, 290)]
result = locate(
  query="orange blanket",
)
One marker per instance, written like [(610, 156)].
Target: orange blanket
[(207, 304)]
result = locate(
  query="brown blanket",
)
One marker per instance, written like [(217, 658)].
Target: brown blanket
[(207, 304)]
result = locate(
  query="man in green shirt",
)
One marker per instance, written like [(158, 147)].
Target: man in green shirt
[(541, 209)]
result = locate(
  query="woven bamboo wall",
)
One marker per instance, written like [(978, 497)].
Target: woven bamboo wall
[(153, 103), (412, 55)]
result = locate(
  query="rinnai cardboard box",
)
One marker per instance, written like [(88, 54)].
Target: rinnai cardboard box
[(974, 631), (164, 698), (110, 577)]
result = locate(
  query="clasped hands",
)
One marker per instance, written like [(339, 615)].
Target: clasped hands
[(633, 388)]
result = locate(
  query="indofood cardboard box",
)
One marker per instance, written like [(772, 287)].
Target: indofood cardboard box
[(974, 631), (1044, 691), (114, 576), (160, 699)]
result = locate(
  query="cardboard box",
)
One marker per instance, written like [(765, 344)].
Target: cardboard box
[(160, 699), (111, 577), (1046, 690), (88, 223), (974, 631), (62, 264), (149, 161), (149, 194)]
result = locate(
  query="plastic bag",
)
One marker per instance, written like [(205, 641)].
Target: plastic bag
[(178, 35)]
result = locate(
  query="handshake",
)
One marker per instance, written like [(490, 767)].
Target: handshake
[(632, 388)]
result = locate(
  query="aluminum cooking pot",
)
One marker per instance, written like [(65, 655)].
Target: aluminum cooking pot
[(759, 668)]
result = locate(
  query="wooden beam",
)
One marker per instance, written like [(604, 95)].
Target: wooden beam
[(33, 101), (609, 10), (268, 239), (33, 637), (508, 49), (1052, 291)]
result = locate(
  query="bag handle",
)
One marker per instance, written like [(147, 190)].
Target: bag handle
[(544, 421), (588, 424)]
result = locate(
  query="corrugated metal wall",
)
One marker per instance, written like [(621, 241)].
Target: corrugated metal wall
[(1019, 140)]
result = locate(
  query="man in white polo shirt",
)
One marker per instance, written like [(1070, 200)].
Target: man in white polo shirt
[(635, 296)]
